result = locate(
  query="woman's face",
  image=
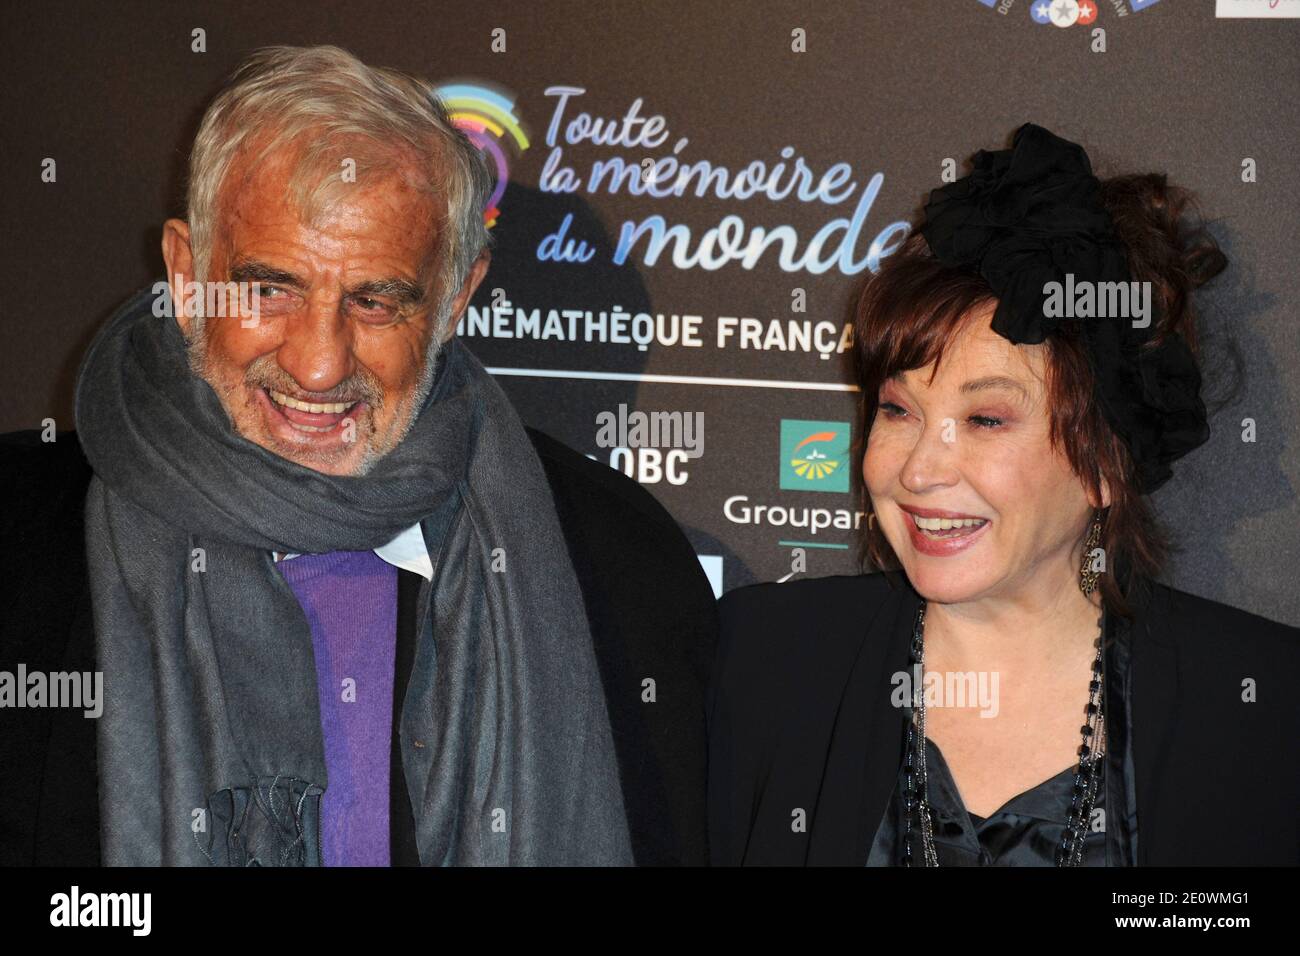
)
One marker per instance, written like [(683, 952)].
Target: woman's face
[(972, 446)]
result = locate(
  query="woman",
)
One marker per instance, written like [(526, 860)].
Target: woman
[(1015, 688)]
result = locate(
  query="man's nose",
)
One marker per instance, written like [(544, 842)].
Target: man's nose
[(317, 346)]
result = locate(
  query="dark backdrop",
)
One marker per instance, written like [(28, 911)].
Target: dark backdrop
[(892, 88)]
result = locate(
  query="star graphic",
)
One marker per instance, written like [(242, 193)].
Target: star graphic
[(1065, 12), (1087, 12)]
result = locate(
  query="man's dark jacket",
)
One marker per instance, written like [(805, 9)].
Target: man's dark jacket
[(650, 607)]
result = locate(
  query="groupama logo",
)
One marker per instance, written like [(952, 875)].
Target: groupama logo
[(814, 455)]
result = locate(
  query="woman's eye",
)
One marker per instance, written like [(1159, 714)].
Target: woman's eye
[(891, 410), (985, 421)]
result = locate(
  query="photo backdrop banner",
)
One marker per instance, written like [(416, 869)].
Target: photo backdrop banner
[(689, 195)]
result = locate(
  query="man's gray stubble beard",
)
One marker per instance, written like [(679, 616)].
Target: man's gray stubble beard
[(197, 353)]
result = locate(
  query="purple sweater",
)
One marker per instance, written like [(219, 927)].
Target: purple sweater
[(350, 598)]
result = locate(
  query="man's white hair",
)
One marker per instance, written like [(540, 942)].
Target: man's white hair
[(330, 107)]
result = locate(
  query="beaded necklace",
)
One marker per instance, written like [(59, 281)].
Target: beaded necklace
[(1086, 776)]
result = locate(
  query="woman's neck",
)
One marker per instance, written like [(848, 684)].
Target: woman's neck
[(1037, 625)]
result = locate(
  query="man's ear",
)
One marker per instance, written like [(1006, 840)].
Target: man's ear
[(476, 273), (180, 265)]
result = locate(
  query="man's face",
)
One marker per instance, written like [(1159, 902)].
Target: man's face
[(331, 373)]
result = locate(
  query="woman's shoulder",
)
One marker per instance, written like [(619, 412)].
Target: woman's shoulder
[(803, 605), (833, 586), (801, 628), (785, 650), (1207, 627)]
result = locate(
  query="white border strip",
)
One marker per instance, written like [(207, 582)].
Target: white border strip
[(673, 379), (1257, 9)]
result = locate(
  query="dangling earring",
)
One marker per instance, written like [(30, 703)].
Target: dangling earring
[(1087, 576)]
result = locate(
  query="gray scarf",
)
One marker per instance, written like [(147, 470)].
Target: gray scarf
[(210, 744)]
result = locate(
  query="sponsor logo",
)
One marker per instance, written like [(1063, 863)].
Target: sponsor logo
[(814, 456), (739, 510), (1067, 13), (487, 117), (1064, 13)]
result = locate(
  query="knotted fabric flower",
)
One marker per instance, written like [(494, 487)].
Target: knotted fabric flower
[(1031, 215)]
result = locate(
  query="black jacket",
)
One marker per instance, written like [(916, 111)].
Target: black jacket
[(650, 607), (800, 717)]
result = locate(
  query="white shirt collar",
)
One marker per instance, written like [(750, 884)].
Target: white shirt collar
[(406, 551)]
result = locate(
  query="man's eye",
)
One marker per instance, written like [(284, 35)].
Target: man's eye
[(373, 308)]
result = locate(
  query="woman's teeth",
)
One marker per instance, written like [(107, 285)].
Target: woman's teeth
[(316, 408), (947, 524)]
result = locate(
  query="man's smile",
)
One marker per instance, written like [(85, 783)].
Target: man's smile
[(284, 412)]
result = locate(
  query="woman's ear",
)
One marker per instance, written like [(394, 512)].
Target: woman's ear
[(1104, 487)]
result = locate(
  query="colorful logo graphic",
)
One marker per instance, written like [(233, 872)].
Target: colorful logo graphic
[(1066, 13), (814, 455), (1063, 13), (487, 116)]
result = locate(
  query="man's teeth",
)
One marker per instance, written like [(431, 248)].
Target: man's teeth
[(332, 408), (946, 524)]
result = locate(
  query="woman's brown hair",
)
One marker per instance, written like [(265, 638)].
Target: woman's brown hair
[(905, 315)]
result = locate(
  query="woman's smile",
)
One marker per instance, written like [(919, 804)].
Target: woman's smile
[(941, 534)]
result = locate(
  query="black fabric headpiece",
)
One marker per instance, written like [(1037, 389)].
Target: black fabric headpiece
[(1031, 215)]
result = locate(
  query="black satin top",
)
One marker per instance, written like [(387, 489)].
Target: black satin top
[(1026, 830)]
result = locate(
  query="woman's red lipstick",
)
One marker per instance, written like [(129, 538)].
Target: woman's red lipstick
[(953, 542)]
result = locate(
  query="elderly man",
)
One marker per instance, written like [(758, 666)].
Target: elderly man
[(348, 609)]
